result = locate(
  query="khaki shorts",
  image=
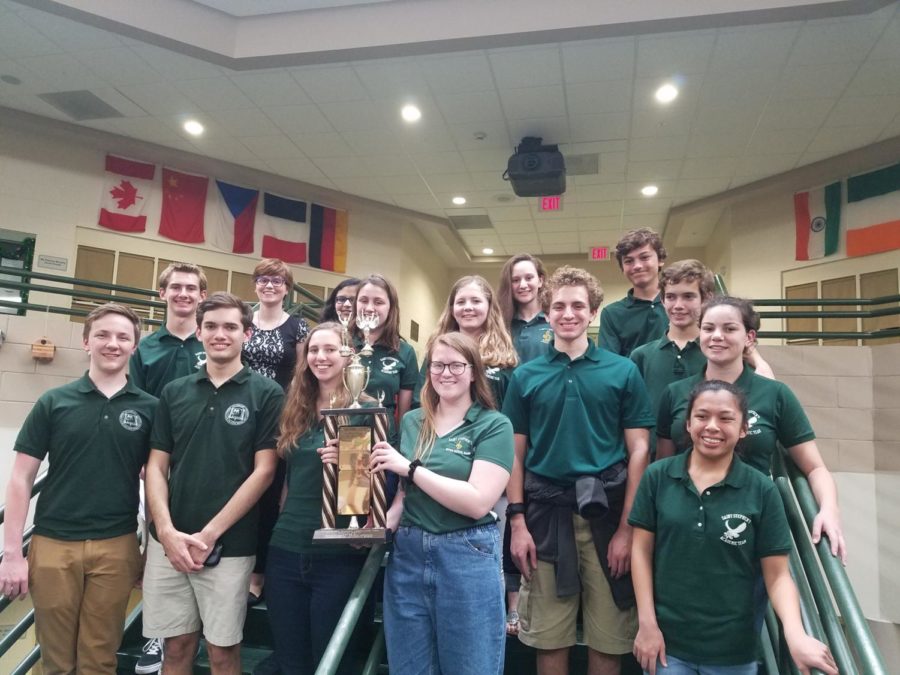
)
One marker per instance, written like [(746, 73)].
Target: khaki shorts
[(548, 622), (214, 599)]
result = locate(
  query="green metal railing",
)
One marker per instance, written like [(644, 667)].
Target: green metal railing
[(831, 314)]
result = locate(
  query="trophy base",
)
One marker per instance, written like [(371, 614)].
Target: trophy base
[(356, 535)]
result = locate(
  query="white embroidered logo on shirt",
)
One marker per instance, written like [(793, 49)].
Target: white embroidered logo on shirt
[(390, 365), (753, 419), (130, 420), (736, 525), (237, 414)]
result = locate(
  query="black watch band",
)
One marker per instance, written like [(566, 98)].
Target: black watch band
[(515, 509), (413, 465)]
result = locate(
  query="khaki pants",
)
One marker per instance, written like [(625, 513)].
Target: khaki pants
[(80, 591)]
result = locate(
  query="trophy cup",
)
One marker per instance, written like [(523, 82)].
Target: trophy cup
[(344, 319), (367, 322), (348, 488)]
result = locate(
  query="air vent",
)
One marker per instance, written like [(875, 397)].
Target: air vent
[(80, 105), (583, 165), (471, 222)]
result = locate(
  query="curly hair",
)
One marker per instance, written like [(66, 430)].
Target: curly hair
[(574, 276)]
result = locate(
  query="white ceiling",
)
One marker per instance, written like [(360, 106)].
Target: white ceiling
[(756, 100), (261, 7)]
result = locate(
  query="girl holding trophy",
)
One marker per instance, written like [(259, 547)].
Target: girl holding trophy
[(308, 586), (471, 310), (456, 454)]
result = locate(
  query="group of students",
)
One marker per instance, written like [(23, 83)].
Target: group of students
[(515, 412)]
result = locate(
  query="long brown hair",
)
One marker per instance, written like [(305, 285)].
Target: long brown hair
[(300, 413), (479, 390), (505, 294), (494, 344), (390, 334)]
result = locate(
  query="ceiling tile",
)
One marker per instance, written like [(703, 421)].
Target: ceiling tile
[(764, 47), (515, 227), (533, 102), (724, 145), (595, 60), (519, 242), (372, 142), (272, 147), (389, 165), (768, 165), (62, 72), (455, 183), (432, 136), (175, 66), (459, 73), (652, 220), (271, 88), (877, 78), (18, 39), (361, 186), (480, 135), (299, 119), (659, 170), (888, 45), (588, 98), (779, 141), (605, 127), (813, 81), (660, 122), (557, 227), (643, 205), (599, 193), (519, 212), (118, 66), (301, 169), (553, 130), (439, 162), (648, 149), (597, 227), (245, 122), (526, 68), (492, 181), (735, 121), (330, 84), (747, 88), (708, 167), (877, 111), (323, 145), (486, 160), (217, 93), (796, 114), (458, 108), (160, 99), (395, 79), (404, 185), (847, 41), (843, 139), (415, 202), (361, 116), (674, 55)]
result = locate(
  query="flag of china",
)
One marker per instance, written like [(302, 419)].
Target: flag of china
[(184, 201)]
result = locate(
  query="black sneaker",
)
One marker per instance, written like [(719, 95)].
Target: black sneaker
[(152, 658)]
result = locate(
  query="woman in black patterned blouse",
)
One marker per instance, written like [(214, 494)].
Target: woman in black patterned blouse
[(272, 351)]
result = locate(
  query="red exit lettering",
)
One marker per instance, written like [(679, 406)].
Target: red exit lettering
[(600, 253), (551, 203)]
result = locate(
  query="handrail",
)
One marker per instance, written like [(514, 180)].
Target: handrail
[(857, 628), (828, 302), (37, 487), (340, 638), (31, 274)]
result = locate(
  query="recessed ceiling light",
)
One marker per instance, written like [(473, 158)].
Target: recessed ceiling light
[(193, 127), (667, 93), (411, 113), (487, 251), (649, 190), (459, 201)]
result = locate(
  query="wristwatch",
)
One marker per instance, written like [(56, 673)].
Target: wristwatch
[(515, 509), (413, 465)]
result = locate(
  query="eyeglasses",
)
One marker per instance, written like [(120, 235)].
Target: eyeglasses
[(456, 368), (344, 300), (277, 282)]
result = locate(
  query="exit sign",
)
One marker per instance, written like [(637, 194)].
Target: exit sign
[(599, 253), (551, 203)]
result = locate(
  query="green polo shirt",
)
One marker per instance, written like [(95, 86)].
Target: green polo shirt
[(484, 434), (574, 412), (706, 556), (631, 322), (302, 511), (96, 447), (212, 435), (390, 372), (661, 363), (497, 379), (775, 416), (161, 357), (531, 338)]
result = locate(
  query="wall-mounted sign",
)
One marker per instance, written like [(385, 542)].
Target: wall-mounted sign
[(52, 262), (599, 253)]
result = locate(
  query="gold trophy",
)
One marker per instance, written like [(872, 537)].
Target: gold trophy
[(348, 488)]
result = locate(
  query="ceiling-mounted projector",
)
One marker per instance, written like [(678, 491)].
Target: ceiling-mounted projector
[(536, 170)]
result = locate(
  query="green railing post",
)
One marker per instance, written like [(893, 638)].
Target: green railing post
[(340, 638)]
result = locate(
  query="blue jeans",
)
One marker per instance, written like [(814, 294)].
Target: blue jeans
[(679, 667), (305, 596), (443, 603)]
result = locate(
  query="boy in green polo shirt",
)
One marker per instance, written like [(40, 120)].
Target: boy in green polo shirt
[(580, 415), (173, 351), (212, 458), (84, 558), (639, 317), (684, 287)]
